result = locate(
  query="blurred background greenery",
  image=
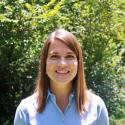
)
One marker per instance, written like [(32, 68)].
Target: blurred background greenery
[(100, 28)]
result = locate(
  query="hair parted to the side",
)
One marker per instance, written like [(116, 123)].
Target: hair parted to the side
[(79, 83)]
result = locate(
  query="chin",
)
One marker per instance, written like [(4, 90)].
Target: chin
[(63, 82)]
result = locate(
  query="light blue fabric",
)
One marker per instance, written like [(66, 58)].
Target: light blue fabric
[(26, 113)]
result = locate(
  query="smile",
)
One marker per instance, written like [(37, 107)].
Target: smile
[(62, 72)]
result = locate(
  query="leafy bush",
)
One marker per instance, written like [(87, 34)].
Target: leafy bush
[(98, 26)]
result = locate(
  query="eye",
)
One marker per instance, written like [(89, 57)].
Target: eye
[(54, 57), (70, 57)]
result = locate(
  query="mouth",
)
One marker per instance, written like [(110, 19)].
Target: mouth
[(63, 72)]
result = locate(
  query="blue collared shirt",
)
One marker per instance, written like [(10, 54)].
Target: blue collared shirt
[(52, 115)]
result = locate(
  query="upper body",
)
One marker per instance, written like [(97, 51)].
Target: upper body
[(61, 72), (26, 114)]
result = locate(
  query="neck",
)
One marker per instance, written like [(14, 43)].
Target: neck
[(61, 91)]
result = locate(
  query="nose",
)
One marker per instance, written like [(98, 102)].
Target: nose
[(62, 61)]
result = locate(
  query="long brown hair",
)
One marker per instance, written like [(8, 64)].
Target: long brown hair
[(79, 83)]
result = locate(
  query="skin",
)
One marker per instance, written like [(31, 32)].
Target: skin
[(61, 68)]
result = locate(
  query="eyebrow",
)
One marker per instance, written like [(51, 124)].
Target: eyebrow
[(68, 53)]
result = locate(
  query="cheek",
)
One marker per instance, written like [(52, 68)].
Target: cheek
[(75, 66), (49, 67)]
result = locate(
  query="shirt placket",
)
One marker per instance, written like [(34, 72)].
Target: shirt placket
[(59, 110)]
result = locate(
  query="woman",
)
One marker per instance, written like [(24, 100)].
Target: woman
[(61, 96)]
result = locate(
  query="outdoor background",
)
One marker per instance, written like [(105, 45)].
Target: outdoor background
[(100, 28)]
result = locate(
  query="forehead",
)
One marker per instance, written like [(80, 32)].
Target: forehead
[(58, 46)]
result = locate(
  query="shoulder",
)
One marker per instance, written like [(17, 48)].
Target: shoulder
[(97, 103), (24, 110), (29, 99), (95, 99), (96, 112), (98, 108), (27, 103)]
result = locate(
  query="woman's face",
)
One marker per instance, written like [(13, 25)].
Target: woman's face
[(61, 64)]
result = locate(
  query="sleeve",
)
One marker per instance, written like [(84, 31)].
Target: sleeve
[(21, 115), (103, 118)]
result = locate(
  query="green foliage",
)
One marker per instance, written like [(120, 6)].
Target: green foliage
[(113, 121), (98, 25)]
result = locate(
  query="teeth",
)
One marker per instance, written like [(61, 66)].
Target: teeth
[(62, 71)]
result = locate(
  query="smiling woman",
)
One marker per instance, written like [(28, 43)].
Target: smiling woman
[(61, 65), (61, 95)]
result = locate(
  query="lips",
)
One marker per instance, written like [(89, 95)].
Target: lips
[(62, 71)]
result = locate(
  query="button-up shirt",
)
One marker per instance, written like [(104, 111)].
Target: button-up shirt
[(26, 113)]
